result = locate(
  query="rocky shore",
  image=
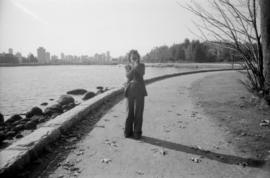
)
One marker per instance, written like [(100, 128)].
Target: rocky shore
[(20, 125)]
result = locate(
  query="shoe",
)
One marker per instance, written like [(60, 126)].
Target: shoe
[(137, 137), (128, 135)]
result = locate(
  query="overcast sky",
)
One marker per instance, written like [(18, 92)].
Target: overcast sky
[(91, 26)]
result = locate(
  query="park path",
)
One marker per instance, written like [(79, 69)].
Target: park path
[(178, 141)]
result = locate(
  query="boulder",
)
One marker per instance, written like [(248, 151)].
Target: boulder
[(55, 108), (2, 136), (100, 88), (1, 119), (34, 111), (18, 127), (13, 118), (88, 95), (10, 134), (44, 104), (16, 123), (42, 119), (68, 106), (25, 119), (35, 119), (19, 136), (30, 125), (77, 92), (65, 99)]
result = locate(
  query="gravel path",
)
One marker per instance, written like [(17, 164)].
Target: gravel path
[(178, 141)]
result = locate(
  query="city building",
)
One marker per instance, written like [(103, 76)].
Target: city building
[(10, 51), (41, 55), (108, 56), (62, 56), (47, 57)]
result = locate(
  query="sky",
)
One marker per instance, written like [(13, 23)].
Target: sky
[(86, 27)]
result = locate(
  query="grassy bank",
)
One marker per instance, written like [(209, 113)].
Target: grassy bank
[(233, 108)]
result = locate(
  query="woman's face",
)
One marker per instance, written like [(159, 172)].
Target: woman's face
[(134, 58)]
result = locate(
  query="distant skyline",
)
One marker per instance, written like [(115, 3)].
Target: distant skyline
[(86, 27)]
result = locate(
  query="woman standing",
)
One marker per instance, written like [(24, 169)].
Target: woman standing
[(135, 93)]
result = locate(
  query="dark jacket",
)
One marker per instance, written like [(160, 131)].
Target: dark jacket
[(135, 85)]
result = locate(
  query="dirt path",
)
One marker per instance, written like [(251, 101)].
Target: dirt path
[(179, 141)]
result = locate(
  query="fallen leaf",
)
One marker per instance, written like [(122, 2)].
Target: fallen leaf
[(139, 173), (196, 160), (106, 160)]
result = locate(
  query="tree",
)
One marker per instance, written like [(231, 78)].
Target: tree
[(32, 58), (233, 25), (265, 28)]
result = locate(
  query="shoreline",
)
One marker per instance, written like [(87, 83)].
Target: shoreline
[(179, 64), (52, 129)]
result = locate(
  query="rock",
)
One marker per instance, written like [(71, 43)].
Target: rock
[(18, 127), (265, 123), (100, 88), (44, 104), (35, 119), (19, 136), (65, 99), (88, 95), (196, 160), (77, 92), (42, 119), (34, 111), (51, 99), (106, 160), (2, 136), (25, 119), (13, 118), (68, 106), (10, 134), (16, 122), (1, 119), (55, 108), (30, 125)]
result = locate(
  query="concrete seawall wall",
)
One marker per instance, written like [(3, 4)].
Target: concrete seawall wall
[(26, 149)]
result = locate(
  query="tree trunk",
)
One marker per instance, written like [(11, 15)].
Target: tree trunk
[(265, 28)]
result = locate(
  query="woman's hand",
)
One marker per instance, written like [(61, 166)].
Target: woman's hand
[(128, 67)]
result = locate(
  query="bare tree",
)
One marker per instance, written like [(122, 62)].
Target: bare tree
[(265, 28), (233, 24)]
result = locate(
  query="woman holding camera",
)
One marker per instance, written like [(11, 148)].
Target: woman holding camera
[(135, 92)]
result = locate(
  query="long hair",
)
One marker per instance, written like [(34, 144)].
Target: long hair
[(134, 52)]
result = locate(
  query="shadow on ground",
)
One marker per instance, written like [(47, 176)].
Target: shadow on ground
[(228, 159)]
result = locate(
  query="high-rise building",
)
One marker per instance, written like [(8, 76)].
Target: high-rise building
[(41, 55), (62, 56), (10, 51), (108, 56), (54, 58), (48, 57)]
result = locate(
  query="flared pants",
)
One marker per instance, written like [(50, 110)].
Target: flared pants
[(135, 107)]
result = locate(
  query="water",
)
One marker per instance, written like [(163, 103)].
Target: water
[(23, 87)]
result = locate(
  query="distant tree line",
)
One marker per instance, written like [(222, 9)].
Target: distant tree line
[(191, 51)]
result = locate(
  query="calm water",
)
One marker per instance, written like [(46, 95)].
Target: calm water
[(23, 87)]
